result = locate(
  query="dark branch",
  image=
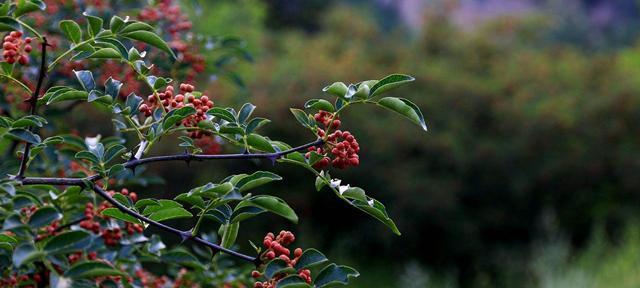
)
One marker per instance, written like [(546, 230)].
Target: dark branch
[(33, 103), (199, 157), (184, 235)]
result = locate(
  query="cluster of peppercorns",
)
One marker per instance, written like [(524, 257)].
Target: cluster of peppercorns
[(19, 281), (16, 48), (328, 119), (276, 247), (209, 145), (342, 145), (185, 97), (110, 236)]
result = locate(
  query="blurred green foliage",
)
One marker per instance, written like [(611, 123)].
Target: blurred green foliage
[(521, 130)]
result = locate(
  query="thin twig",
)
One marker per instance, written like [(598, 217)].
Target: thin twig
[(33, 102)]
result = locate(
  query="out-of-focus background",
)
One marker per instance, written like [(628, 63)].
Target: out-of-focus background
[(529, 175)]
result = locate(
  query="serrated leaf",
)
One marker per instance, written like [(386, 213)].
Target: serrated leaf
[(301, 116), (256, 123), (29, 120), (105, 53), (245, 112), (272, 204), (94, 24), (116, 213), (259, 142), (115, 24), (310, 258), (276, 266), (334, 274), (66, 242), (337, 89), (85, 78), (25, 253), (377, 210), (151, 39), (244, 213), (222, 114), (112, 87), (23, 135), (170, 213), (92, 269), (390, 82), (136, 26), (319, 104), (404, 107), (44, 216), (71, 30), (292, 281)]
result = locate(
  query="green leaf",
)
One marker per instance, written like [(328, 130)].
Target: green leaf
[(211, 190), (85, 78), (66, 95), (44, 216), (24, 7), (26, 253), (319, 104), (177, 115), (71, 30), (151, 39), (112, 87), (92, 269), (117, 214), (309, 258), (259, 142), (272, 204), (136, 26), (222, 114), (302, 117), (259, 178), (334, 274), (256, 123), (86, 155), (115, 24), (245, 112), (377, 210), (230, 234), (292, 281), (243, 213), (170, 213), (338, 89), (276, 266), (404, 107), (9, 24), (29, 120), (94, 24), (113, 151), (68, 242), (106, 53), (320, 183), (4, 238), (390, 82), (23, 135)]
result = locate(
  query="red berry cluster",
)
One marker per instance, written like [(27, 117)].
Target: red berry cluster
[(16, 48), (341, 145), (20, 281), (170, 17), (276, 247), (110, 236), (185, 97), (328, 119)]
